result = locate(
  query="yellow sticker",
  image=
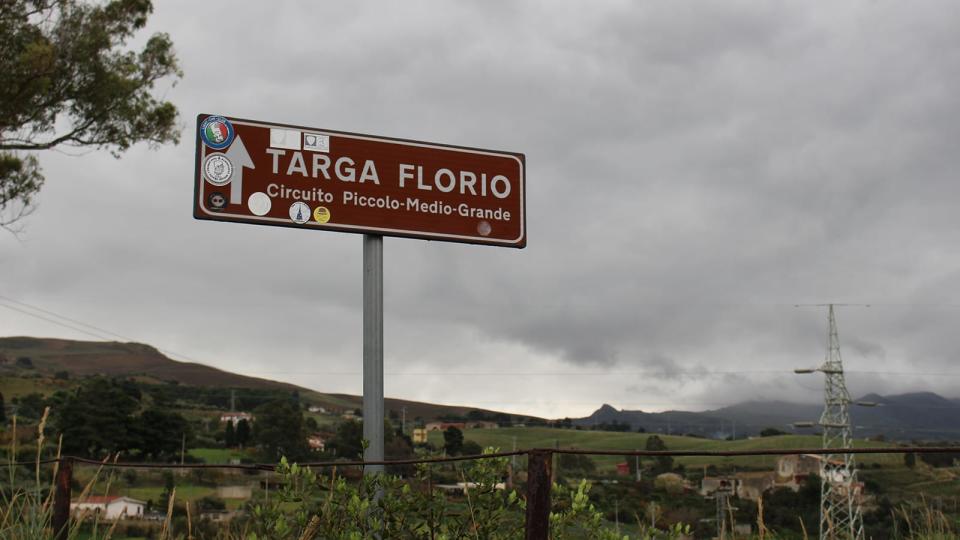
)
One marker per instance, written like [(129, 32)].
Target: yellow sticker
[(321, 214)]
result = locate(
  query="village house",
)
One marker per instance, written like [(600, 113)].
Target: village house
[(792, 470), (752, 485), (710, 485), (315, 441), (443, 426), (419, 435), (235, 417), (109, 507), (316, 409), (789, 473), (482, 424)]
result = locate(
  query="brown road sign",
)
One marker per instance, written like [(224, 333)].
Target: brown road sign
[(312, 178)]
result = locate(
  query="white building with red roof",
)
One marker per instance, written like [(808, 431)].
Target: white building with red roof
[(109, 507)]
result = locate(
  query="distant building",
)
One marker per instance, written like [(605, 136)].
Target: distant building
[(482, 424), (442, 426), (790, 473), (420, 435), (623, 469), (109, 507), (752, 485), (792, 470), (315, 441), (316, 409), (711, 485), (235, 417), (349, 414)]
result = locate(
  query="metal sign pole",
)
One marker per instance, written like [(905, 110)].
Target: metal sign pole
[(373, 350)]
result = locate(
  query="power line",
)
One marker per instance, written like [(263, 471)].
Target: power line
[(105, 337)]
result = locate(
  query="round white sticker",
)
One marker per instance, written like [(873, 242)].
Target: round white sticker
[(299, 212), (217, 169), (259, 203)]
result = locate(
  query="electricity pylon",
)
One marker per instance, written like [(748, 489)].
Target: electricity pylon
[(840, 514)]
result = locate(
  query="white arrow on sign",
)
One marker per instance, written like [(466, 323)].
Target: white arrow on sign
[(238, 156)]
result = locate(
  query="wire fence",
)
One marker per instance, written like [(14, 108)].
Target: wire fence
[(538, 483), (451, 459)]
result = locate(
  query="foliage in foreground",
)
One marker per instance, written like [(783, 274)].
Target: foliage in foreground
[(307, 505), (390, 507)]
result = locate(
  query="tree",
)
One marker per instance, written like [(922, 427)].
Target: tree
[(243, 432), (664, 463), (278, 431), (66, 80), (229, 435), (576, 465), (347, 442), (160, 433), (97, 418), (30, 406), (452, 441), (471, 448), (771, 432)]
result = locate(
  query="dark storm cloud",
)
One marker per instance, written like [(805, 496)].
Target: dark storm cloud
[(693, 174)]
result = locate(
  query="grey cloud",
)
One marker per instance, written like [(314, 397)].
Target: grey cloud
[(692, 174)]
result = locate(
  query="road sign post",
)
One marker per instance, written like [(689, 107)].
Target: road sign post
[(264, 173), (373, 351)]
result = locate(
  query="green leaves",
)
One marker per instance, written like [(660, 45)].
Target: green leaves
[(66, 80)]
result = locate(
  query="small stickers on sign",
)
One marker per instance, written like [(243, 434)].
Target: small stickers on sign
[(321, 214), (218, 201), (217, 132), (299, 212), (316, 142), (259, 203), (217, 169), (484, 228), (285, 138)]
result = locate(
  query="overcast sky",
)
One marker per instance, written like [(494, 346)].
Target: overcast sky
[(693, 171)]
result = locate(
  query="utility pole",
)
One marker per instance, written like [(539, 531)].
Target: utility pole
[(840, 512), (636, 465), (403, 420)]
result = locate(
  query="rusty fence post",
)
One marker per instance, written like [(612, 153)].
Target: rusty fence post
[(61, 500), (539, 469)]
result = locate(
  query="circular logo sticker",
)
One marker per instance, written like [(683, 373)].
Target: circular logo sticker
[(321, 214), (484, 228), (299, 212), (218, 201), (216, 132), (217, 169), (259, 203)]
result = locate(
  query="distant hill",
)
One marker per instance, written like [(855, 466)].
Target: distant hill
[(920, 416), (147, 364)]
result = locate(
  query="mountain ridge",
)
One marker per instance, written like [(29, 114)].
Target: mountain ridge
[(147, 363), (907, 416)]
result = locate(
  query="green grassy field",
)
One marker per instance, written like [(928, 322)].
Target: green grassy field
[(216, 455), (535, 437)]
